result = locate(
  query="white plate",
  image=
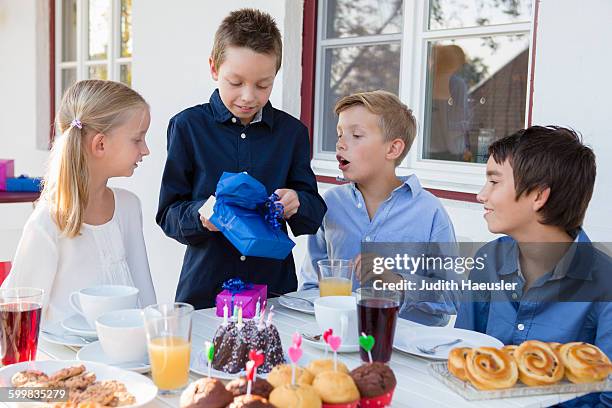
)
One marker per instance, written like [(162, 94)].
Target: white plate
[(300, 305), (94, 352), (58, 335), (313, 329), (138, 385), (77, 324), (199, 365), (407, 340)]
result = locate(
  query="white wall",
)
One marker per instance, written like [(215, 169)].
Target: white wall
[(573, 88), (24, 103), (170, 69)]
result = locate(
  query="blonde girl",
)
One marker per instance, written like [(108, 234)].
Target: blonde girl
[(83, 233)]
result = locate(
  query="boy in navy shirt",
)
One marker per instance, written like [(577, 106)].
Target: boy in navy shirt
[(539, 183), (238, 130)]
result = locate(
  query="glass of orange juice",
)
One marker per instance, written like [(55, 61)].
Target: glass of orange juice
[(168, 328), (335, 277)]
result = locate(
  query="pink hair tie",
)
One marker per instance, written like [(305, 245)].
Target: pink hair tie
[(77, 123)]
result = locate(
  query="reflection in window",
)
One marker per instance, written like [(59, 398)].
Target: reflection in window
[(355, 69), (98, 72), (476, 93), (68, 78), (472, 13), (125, 75), (126, 28), (69, 37), (99, 25), (350, 18)]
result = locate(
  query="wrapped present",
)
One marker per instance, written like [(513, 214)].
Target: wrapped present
[(237, 293), (23, 183), (7, 170), (249, 218)]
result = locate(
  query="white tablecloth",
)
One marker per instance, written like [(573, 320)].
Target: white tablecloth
[(415, 386)]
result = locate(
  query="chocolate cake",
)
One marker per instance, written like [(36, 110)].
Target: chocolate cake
[(233, 343)]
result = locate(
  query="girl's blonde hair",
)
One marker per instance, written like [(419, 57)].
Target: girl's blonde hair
[(88, 107)]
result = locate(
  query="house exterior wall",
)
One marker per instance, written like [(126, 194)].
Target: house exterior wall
[(170, 69)]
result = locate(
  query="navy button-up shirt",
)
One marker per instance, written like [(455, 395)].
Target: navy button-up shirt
[(534, 317), (203, 142)]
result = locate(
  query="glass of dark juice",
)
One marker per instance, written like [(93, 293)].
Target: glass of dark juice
[(20, 313), (377, 314)]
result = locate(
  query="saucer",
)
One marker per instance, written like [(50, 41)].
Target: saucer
[(313, 328), (94, 352), (77, 324), (56, 334)]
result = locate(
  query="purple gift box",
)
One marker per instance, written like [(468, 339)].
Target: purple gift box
[(248, 298), (7, 170)]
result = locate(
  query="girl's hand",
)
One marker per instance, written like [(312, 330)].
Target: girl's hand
[(208, 225), (290, 200)]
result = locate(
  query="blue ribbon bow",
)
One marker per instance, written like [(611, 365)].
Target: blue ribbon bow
[(235, 285), (274, 211)]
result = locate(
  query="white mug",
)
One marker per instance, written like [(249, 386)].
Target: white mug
[(122, 335), (340, 314), (97, 300)]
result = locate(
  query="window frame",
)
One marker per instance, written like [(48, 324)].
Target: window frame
[(113, 61), (460, 180)]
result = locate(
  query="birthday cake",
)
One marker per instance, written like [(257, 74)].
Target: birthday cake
[(234, 341)]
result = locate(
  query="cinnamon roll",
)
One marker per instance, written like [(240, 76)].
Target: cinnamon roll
[(584, 362), (456, 362), (538, 364), (488, 368)]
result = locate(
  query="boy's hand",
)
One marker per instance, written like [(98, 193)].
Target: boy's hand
[(208, 225), (290, 200)]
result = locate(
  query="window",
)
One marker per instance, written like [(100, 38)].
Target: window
[(93, 41), (461, 65)]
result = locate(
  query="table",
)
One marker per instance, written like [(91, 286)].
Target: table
[(415, 386)]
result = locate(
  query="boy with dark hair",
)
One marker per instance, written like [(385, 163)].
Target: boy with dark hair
[(539, 183), (237, 131)]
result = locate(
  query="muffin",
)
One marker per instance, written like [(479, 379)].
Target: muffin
[(376, 384), (317, 367), (259, 387), (250, 401), (281, 375), (206, 393), (336, 389), (295, 396)]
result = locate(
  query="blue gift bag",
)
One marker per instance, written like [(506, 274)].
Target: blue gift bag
[(240, 214)]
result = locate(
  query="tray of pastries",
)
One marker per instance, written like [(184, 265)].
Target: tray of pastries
[(531, 368)]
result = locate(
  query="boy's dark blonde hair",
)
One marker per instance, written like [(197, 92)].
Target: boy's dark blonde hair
[(396, 119), (249, 28)]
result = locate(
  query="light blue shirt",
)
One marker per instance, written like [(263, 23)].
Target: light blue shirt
[(584, 273), (409, 214)]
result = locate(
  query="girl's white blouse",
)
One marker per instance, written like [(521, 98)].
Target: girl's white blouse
[(111, 253)]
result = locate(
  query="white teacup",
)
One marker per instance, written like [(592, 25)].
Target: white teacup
[(97, 300), (340, 314), (122, 335)]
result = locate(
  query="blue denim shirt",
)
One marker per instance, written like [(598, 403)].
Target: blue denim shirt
[(203, 142), (409, 214), (513, 322)]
